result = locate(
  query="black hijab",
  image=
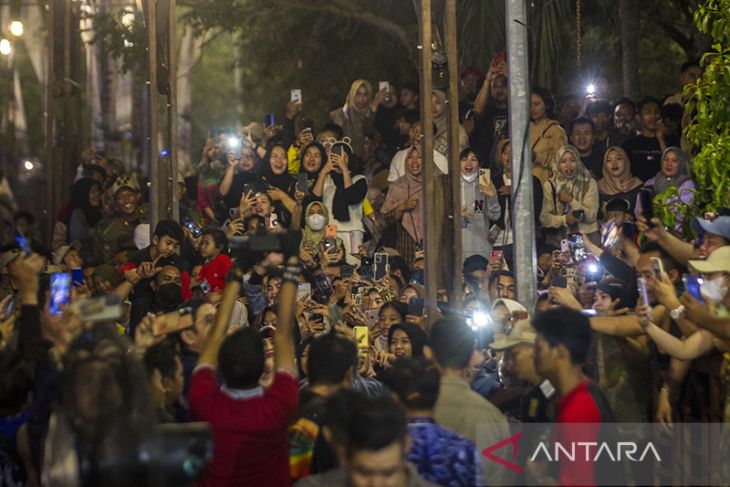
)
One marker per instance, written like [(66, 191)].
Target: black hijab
[(283, 181), (80, 199)]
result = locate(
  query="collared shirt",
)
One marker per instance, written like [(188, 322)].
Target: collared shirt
[(441, 456)]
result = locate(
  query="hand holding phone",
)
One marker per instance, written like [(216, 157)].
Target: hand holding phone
[(60, 292), (172, 322), (295, 95)]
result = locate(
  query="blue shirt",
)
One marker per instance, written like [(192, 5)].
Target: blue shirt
[(442, 456)]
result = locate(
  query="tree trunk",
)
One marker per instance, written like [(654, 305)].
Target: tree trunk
[(628, 12)]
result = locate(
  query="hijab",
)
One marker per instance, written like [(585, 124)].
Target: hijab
[(623, 183), (402, 189), (282, 181), (354, 118), (662, 182), (80, 199), (579, 184), (309, 235), (415, 334)]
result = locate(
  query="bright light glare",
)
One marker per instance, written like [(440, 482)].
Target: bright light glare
[(28, 165), (128, 19), (592, 268), (480, 319), (234, 142), (591, 89), (16, 28), (5, 47)]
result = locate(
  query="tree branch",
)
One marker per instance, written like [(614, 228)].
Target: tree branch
[(343, 8), (685, 42)]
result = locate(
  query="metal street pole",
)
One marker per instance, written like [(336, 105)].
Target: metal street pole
[(171, 188), (522, 218), (454, 214), (156, 211), (431, 225)]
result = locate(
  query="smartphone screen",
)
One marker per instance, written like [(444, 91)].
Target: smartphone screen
[(647, 208), (98, 309), (346, 271), (692, 284), (382, 86), (495, 256), (304, 290), (77, 276), (295, 95), (269, 120), (559, 282), (23, 244), (337, 149), (60, 292), (415, 307), (658, 267), (643, 291), (380, 269), (302, 182)]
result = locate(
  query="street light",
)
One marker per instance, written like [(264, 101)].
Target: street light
[(5, 47), (16, 28), (28, 165)]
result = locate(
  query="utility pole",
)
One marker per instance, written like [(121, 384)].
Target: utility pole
[(454, 216), (522, 217), (431, 249), (161, 22)]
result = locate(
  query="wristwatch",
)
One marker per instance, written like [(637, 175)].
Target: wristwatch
[(677, 312)]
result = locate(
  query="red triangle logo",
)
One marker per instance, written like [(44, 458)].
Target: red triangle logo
[(512, 440)]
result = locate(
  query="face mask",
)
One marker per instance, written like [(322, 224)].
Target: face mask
[(471, 178), (168, 295), (316, 222), (714, 290)]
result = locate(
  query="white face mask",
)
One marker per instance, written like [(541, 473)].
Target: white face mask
[(316, 222), (471, 178), (714, 290)]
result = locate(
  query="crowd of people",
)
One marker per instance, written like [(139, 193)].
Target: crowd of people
[(285, 308)]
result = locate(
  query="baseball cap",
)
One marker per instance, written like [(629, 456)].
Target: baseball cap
[(718, 261), (128, 182), (613, 287), (521, 332), (718, 226), (61, 252)]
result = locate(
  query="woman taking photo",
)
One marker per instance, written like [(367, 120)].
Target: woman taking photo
[(546, 134), (342, 191), (570, 199), (479, 205), (404, 205)]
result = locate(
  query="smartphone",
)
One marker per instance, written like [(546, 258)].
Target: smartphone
[(361, 336), (371, 317), (172, 322), (485, 176), (10, 310), (346, 271), (658, 267), (295, 95), (357, 290), (355, 241), (234, 145), (103, 308), (302, 183), (496, 256), (330, 231), (415, 306), (195, 228), (337, 149), (577, 247), (204, 286), (380, 267), (647, 207), (494, 231), (559, 282), (272, 221), (366, 268), (628, 229), (547, 389), (269, 120), (609, 234), (643, 291), (358, 300), (692, 285), (60, 291), (23, 244), (382, 86), (248, 188), (77, 276), (418, 277), (304, 290)]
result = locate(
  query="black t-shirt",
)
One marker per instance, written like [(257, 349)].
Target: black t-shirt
[(645, 155), (594, 162), (489, 127)]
